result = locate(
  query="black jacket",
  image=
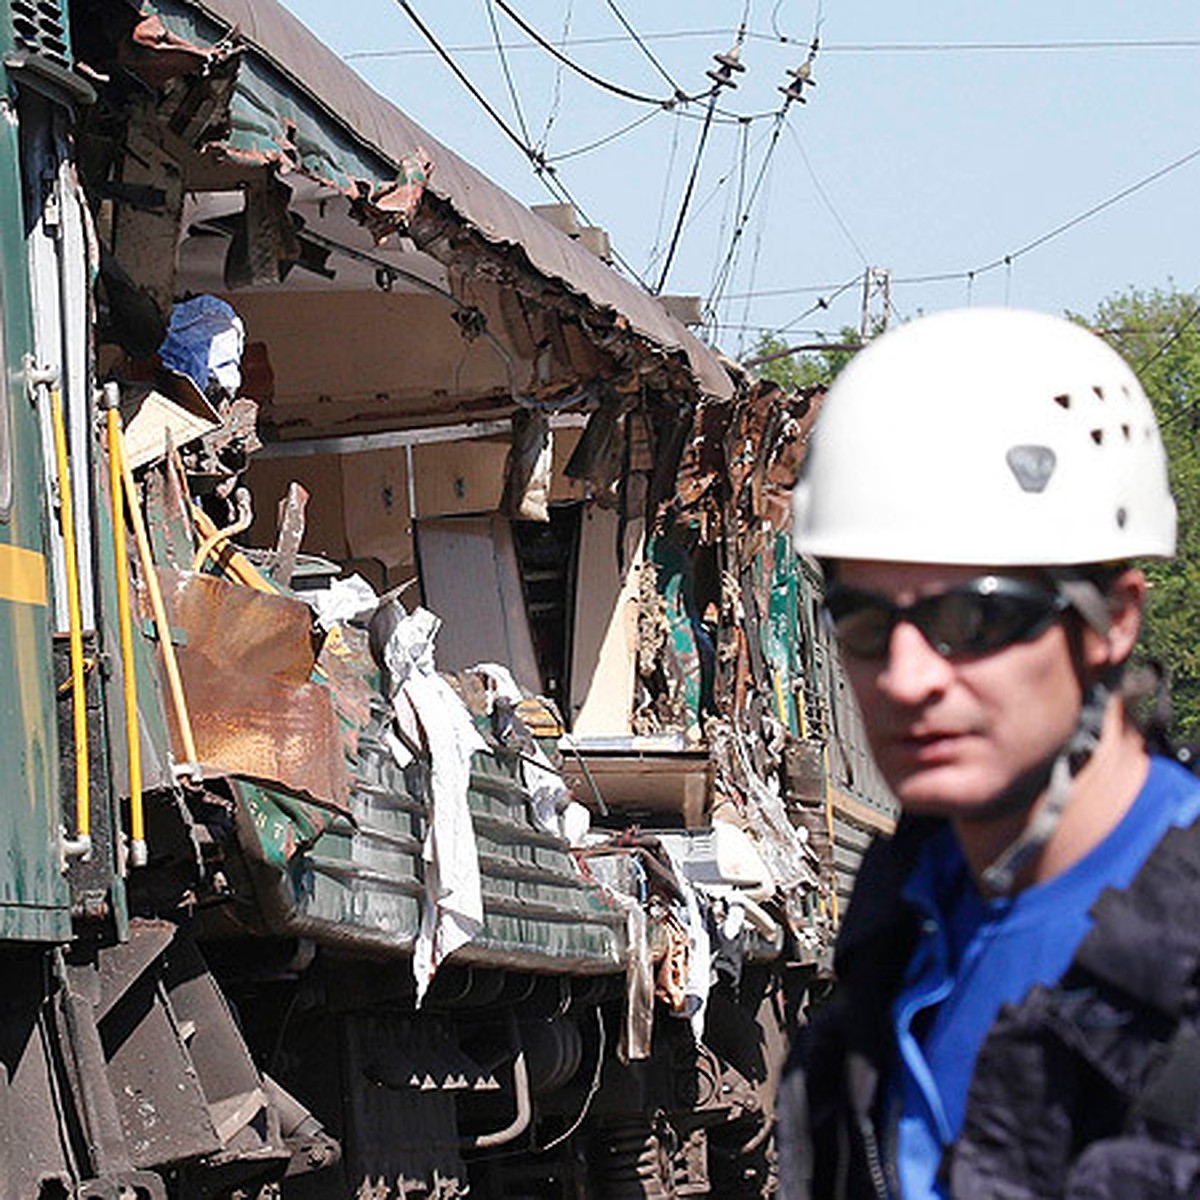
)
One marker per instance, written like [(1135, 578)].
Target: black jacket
[(1089, 1090)]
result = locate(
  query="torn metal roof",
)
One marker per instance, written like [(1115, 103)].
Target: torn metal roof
[(293, 92)]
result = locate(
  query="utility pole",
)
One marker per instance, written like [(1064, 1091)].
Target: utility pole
[(877, 301)]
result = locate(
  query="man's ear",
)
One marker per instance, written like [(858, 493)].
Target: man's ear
[(1126, 598)]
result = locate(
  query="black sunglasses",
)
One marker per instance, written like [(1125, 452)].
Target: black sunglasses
[(975, 617)]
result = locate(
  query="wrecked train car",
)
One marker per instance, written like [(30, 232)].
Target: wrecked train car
[(427, 771)]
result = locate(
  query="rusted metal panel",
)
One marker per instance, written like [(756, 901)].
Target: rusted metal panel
[(247, 661)]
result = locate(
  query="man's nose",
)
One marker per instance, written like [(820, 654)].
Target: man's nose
[(913, 670)]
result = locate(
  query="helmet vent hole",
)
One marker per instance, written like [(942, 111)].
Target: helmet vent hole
[(1122, 517), (1126, 432), (1063, 400), (1098, 390), (1098, 436)]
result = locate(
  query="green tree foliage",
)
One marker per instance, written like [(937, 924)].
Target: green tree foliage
[(805, 369), (1158, 333)]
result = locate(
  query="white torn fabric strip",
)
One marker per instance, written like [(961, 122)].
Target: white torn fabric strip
[(342, 600), (452, 914), (699, 973), (545, 785)]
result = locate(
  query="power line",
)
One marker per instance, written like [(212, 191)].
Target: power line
[(1099, 45), (655, 252), (1002, 47), (1175, 335), (556, 95), (543, 171), (723, 272), (841, 224), (596, 40), (465, 80), (508, 79), (607, 85), (687, 196), (715, 191), (639, 41), (821, 304), (608, 137), (1091, 212)]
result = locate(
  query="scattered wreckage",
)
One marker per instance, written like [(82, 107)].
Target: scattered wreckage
[(457, 788)]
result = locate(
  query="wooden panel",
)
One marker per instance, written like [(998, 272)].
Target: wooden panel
[(605, 632), (325, 522), (378, 523), (459, 477), (469, 577), (563, 487)]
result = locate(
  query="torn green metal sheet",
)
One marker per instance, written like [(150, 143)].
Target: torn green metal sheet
[(779, 631), (361, 879)]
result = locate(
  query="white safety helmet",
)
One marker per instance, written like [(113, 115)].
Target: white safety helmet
[(986, 437)]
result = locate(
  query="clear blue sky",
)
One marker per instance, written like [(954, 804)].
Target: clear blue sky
[(922, 161)]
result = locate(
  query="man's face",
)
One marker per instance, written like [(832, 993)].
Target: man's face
[(953, 736)]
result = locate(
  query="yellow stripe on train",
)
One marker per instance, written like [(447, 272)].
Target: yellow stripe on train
[(22, 575)]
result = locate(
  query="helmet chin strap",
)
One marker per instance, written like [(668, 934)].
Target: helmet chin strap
[(1000, 877)]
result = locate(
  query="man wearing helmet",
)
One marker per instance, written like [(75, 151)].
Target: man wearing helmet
[(978, 485)]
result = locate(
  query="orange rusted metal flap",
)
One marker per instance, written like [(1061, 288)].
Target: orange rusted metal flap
[(246, 660)]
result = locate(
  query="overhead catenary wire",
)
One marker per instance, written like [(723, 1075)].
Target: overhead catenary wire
[(690, 187), (556, 94), (544, 171), (508, 78), (972, 273), (754, 260), (716, 292), (466, 81), (1090, 45), (1175, 335), (640, 42), (699, 209), (563, 155), (599, 81), (727, 65), (793, 93), (823, 195), (822, 303)]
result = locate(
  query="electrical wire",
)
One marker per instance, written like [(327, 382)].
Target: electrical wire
[(544, 171), (758, 244), (1006, 47), (668, 175), (844, 48), (508, 79), (595, 40), (823, 303), (680, 94), (556, 96), (604, 141), (733, 203), (687, 197), (1175, 335), (973, 273), (465, 80), (1091, 212), (792, 94), (599, 81), (723, 273), (700, 208), (824, 196), (1180, 328)]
